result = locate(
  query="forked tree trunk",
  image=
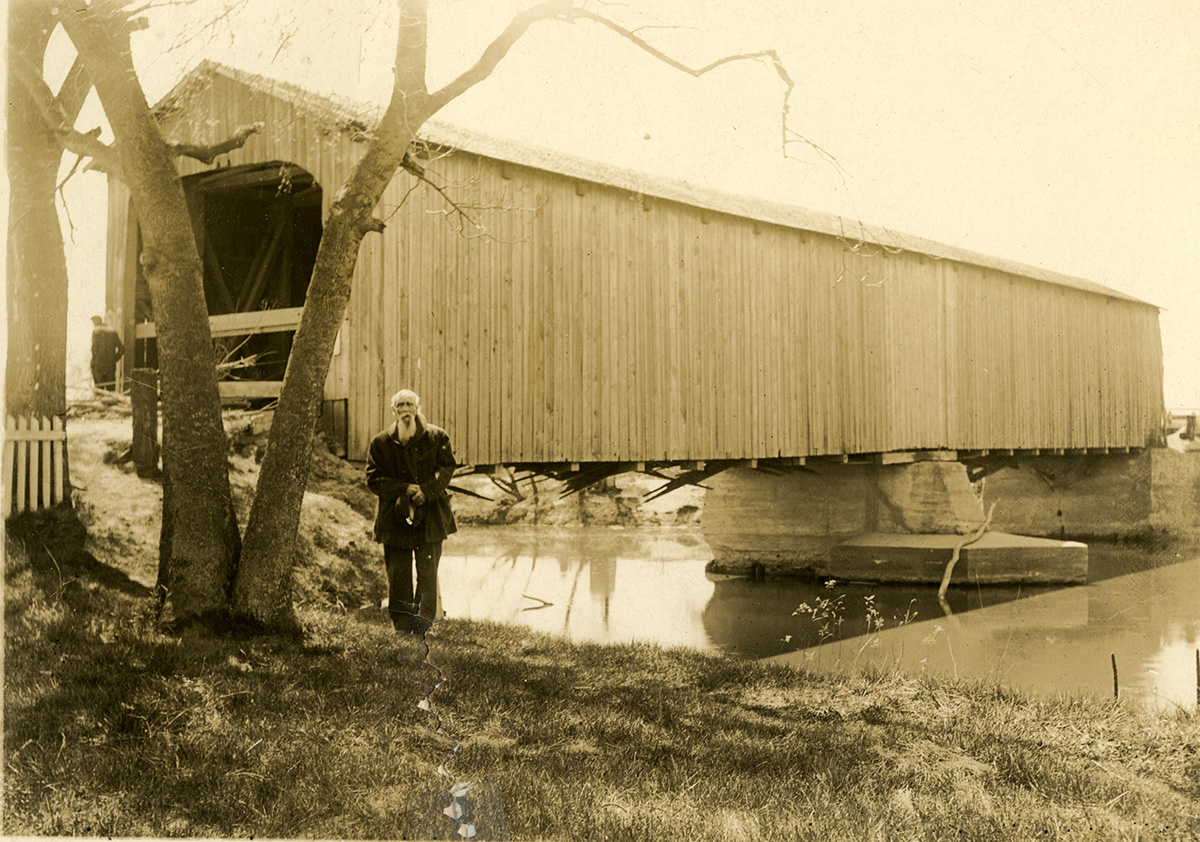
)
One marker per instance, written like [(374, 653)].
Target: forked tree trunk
[(200, 535)]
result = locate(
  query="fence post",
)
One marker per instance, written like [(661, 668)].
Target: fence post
[(143, 399)]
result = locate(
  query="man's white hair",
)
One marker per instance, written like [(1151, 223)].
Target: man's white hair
[(416, 399)]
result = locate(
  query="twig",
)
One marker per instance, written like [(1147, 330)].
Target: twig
[(460, 209), (958, 549), (544, 603), (61, 585)]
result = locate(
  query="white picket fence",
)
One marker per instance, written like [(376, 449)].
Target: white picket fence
[(34, 452)]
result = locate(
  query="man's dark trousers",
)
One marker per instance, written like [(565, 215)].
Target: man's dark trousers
[(399, 562)]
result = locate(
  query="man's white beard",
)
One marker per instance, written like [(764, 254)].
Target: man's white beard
[(405, 432)]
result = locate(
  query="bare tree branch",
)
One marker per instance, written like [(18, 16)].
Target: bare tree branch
[(89, 144), (498, 49), (207, 30), (73, 92), (208, 154), (60, 114), (771, 56), (61, 184), (403, 199), (419, 172), (958, 548), (568, 13), (152, 6), (412, 164)]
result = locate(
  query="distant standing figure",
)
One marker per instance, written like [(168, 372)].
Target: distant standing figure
[(106, 350), (409, 466)]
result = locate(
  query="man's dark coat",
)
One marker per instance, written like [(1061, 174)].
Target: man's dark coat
[(428, 461), (106, 350)]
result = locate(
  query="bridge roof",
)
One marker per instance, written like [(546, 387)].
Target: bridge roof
[(342, 113)]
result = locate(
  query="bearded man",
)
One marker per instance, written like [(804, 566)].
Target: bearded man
[(409, 466)]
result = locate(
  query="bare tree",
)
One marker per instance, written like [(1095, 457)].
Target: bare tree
[(262, 590), (198, 526)]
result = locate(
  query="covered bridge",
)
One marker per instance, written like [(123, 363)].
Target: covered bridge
[(568, 312)]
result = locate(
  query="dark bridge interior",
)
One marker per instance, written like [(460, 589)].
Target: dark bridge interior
[(257, 229)]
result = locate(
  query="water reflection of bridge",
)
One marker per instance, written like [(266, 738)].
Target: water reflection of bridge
[(606, 585), (588, 584), (759, 619)]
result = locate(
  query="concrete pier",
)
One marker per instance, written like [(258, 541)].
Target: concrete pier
[(792, 523)]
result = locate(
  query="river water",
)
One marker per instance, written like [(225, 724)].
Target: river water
[(616, 585)]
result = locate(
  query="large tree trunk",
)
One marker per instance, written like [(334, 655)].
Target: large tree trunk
[(35, 377), (199, 524)]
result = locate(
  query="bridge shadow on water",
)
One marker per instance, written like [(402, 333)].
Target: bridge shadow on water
[(611, 585)]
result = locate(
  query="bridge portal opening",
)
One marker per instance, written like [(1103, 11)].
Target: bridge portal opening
[(257, 229)]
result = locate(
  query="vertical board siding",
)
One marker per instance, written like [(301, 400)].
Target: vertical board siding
[(581, 322), (641, 309)]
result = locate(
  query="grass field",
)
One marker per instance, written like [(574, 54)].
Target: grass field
[(113, 728)]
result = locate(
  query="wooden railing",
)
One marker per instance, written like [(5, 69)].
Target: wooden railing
[(233, 324), (236, 324)]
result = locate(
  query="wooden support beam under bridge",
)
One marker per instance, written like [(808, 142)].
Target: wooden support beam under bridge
[(576, 472)]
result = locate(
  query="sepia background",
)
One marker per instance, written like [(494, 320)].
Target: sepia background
[(1061, 135)]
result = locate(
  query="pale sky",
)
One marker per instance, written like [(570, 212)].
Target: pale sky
[(1059, 134)]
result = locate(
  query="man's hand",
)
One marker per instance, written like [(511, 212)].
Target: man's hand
[(416, 495)]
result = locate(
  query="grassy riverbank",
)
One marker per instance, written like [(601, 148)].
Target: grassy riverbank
[(114, 728)]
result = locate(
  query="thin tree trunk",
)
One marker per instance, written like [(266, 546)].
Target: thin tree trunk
[(262, 590), (199, 525)]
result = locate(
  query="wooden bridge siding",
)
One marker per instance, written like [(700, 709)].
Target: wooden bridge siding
[(904, 352), (291, 135), (1052, 367), (631, 350), (910, 346), (121, 265)]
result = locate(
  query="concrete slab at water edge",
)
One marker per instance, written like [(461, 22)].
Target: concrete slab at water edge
[(996, 558)]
